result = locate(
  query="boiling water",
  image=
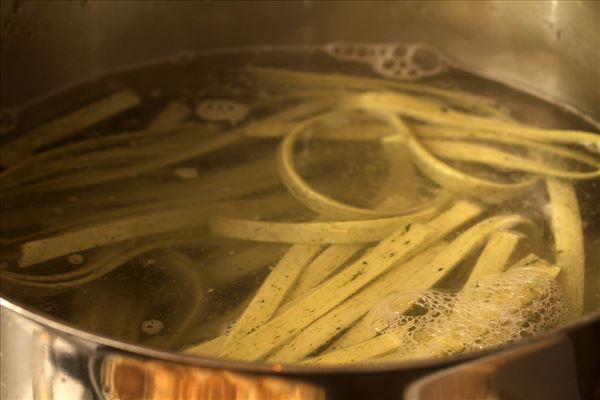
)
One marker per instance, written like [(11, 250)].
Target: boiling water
[(146, 299)]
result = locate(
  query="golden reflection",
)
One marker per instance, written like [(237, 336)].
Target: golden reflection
[(127, 378)]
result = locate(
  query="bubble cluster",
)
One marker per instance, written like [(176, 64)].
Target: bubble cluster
[(222, 110), (498, 309), (401, 61), (228, 326), (151, 326)]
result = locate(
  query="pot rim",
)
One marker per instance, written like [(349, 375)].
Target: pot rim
[(280, 369)]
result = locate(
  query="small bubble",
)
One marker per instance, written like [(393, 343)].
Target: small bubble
[(228, 326), (399, 50), (149, 262), (380, 325), (3, 264), (151, 326), (73, 199), (76, 259), (547, 210), (400, 304), (186, 173), (388, 64), (425, 58)]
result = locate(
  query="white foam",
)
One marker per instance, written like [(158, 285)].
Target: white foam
[(400, 61), (222, 110), (151, 326), (488, 313)]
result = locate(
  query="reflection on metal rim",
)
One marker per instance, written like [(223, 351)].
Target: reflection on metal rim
[(45, 358), (124, 377), (105, 341)]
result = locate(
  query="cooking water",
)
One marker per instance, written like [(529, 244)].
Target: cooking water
[(171, 282)]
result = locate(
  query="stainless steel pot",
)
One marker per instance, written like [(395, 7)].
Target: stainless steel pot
[(551, 49)]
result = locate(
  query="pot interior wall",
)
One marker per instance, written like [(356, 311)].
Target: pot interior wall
[(547, 48)]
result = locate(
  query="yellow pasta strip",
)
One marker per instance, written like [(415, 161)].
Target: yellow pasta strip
[(333, 232), (495, 255), (344, 315), (76, 240), (395, 249), (448, 132), (452, 178), (63, 127), (320, 268), (171, 116), (320, 203), (313, 274), (434, 113), (378, 346), (426, 277), (486, 155), (304, 81), (568, 242), (273, 290), (210, 348)]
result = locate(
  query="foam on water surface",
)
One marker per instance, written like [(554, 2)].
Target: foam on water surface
[(222, 110), (400, 61), (497, 309)]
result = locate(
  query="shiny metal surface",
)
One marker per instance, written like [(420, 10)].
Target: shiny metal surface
[(549, 48), (39, 363), (529, 372), (44, 359), (119, 376)]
